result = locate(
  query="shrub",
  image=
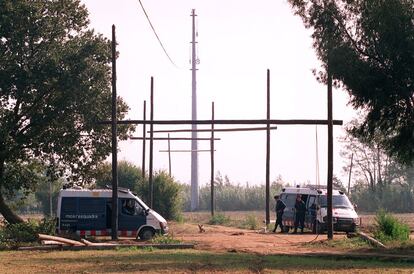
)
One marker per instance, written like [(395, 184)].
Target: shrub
[(26, 232), (167, 199), (251, 222), (389, 228), (219, 219), (164, 239)]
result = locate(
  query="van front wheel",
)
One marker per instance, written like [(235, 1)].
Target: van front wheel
[(146, 234)]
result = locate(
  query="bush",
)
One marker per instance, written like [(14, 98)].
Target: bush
[(219, 219), (164, 239), (167, 199), (389, 228), (251, 222), (26, 232)]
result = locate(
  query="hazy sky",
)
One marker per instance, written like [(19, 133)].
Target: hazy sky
[(237, 42)]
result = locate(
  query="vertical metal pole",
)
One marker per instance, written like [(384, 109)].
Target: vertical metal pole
[(150, 175), (212, 161), (144, 126), (350, 173), (330, 157), (114, 226), (194, 144), (50, 197), (169, 156), (268, 151)]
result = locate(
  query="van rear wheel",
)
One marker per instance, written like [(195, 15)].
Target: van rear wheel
[(146, 234)]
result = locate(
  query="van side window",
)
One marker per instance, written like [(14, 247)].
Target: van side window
[(290, 200), (131, 207), (311, 202)]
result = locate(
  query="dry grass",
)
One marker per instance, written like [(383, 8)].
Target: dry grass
[(185, 261)]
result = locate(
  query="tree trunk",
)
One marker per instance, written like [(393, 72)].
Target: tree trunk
[(5, 210), (7, 213)]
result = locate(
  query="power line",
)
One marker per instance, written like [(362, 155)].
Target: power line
[(156, 35)]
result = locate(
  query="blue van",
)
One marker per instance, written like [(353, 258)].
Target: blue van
[(89, 213)]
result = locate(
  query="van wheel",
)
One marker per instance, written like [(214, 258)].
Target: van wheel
[(285, 229), (146, 234)]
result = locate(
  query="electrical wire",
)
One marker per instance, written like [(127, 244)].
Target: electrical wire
[(156, 35)]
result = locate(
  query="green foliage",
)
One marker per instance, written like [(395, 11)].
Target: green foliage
[(393, 198), (167, 191), (344, 243), (164, 239), (368, 47), (251, 222), (43, 192), (129, 175), (230, 196), (167, 198), (55, 81), (26, 232), (389, 228), (219, 219)]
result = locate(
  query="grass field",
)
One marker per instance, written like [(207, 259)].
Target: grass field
[(131, 260)]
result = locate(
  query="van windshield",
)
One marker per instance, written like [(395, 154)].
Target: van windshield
[(142, 203), (338, 201)]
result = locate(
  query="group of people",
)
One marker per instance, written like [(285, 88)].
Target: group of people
[(300, 211)]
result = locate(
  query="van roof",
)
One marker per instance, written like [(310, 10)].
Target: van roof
[(104, 193), (310, 190)]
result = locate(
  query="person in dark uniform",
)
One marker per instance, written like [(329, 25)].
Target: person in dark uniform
[(300, 211), (280, 207)]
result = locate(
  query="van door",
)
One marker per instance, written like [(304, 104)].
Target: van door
[(91, 213), (131, 215), (310, 211), (289, 213), (68, 213)]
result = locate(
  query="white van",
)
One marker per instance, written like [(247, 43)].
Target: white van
[(89, 213), (344, 216)]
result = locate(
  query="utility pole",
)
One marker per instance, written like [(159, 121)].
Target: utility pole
[(330, 157), (194, 143), (268, 150), (114, 225)]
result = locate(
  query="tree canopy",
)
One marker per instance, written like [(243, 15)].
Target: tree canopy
[(55, 80), (368, 46)]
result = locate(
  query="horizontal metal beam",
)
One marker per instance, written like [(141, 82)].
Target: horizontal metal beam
[(225, 122), (198, 150), (175, 138), (215, 130)]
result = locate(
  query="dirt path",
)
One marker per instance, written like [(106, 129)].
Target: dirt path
[(221, 238)]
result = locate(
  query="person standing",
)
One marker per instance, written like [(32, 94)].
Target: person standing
[(279, 208), (300, 211)]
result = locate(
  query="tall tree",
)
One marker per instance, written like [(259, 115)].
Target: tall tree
[(371, 45), (54, 88)]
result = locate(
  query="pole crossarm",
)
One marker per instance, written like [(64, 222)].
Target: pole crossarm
[(174, 138), (225, 122), (198, 150), (218, 129)]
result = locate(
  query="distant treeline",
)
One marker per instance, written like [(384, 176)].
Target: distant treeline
[(233, 197)]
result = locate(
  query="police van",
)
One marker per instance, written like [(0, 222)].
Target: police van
[(344, 216), (89, 213)]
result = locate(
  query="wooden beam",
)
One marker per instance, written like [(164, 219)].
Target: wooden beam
[(215, 130), (175, 138), (227, 122)]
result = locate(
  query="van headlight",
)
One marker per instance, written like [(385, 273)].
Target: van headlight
[(356, 221), (164, 227)]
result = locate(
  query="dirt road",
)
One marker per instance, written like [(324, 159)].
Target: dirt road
[(221, 238)]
